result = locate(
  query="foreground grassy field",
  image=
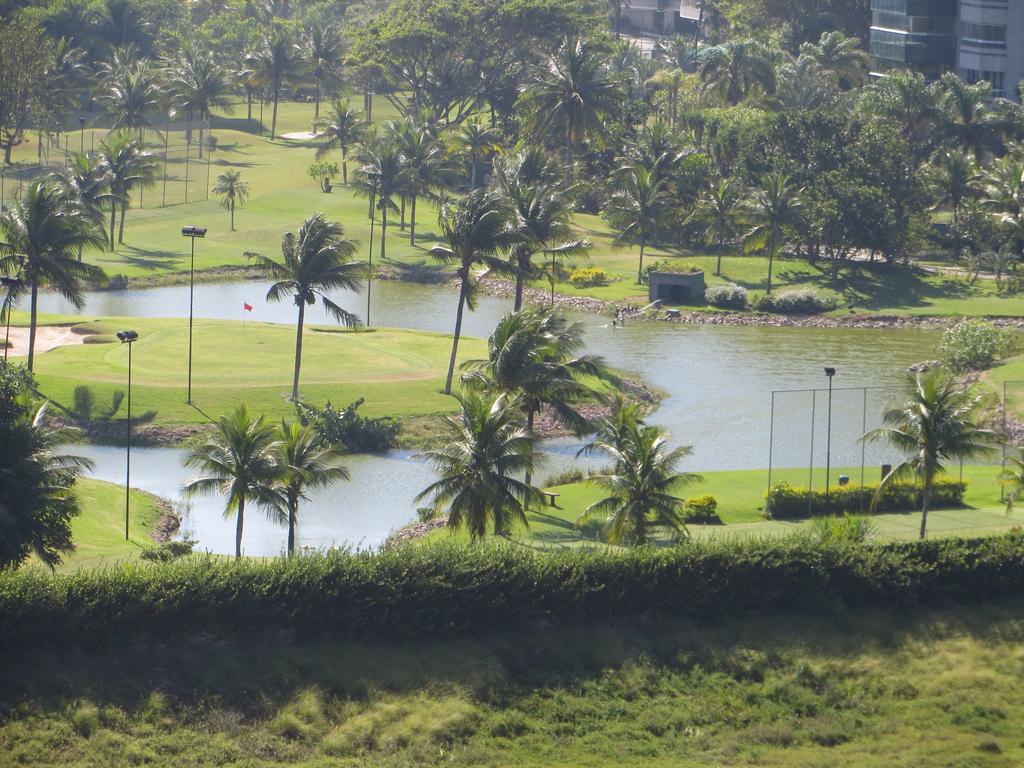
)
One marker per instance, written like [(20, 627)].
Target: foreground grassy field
[(399, 372), (860, 690), (283, 195)]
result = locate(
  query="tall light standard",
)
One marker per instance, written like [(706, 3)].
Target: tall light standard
[(129, 338), (192, 233), (81, 135), (12, 284), (374, 177), (830, 372)]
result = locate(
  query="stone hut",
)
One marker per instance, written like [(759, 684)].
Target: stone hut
[(676, 287)]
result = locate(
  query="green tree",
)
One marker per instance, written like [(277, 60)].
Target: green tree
[(316, 260), (486, 448), (274, 62), (474, 229), (24, 61), (37, 498), (717, 211), (940, 421), (479, 142), (953, 177), (422, 163), (129, 92), (127, 167), (322, 47), (40, 235), (233, 191), (306, 465), (341, 129), (238, 462), (640, 483), (198, 84), (637, 208), (971, 119), (841, 57), (773, 208), (382, 179), (738, 71), (86, 179)]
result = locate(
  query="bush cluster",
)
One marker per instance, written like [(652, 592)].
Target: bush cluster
[(974, 345), (726, 296), (413, 591), (800, 301), (702, 509), (345, 429), (591, 277), (789, 502)]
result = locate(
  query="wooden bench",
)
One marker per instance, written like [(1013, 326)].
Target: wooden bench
[(552, 498)]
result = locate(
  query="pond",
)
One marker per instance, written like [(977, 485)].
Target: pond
[(717, 380)]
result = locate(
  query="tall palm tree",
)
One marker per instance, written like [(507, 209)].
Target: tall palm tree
[(841, 57), (128, 93), (971, 120), (904, 98), (342, 128), (479, 141), (486, 448), (306, 465), (717, 210), (474, 229), (274, 61), (640, 483), (533, 356), (422, 161), (938, 422), (382, 179), (573, 92), (87, 180), (737, 71), (238, 462), (198, 84), (40, 235), (772, 209), (317, 259), (953, 180), (127, 167), (232, 190), (637, 208), (322, 47)]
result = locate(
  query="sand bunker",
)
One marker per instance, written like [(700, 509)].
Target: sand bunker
[(301, 135), (47, 337)]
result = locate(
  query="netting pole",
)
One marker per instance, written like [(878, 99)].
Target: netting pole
[(188, 146), (1002, 447), (810, 470), (771, 439), (863, 446), (167, 136)]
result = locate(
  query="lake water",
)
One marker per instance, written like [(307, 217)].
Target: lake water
[(718, 382)]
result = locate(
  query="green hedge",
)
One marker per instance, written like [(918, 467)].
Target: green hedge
[(789, 502), (420, 590)]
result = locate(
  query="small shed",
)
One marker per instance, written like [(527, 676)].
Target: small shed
[(676, 287)]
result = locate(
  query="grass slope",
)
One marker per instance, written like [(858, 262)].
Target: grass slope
[(941, 688), (399, 372)]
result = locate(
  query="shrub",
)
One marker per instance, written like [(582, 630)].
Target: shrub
[(702, 509), (672, 266), (99, 338), (345, 428), (800, 301), (83, 401), (323, 172), (787, 502), (565, 477), (852, 529), (726, 296), (169, 551), (973, 345), (591, 277)]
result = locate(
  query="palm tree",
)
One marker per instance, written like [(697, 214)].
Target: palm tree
[(233, 191), (953, 176), (938, 422), (322, 47), (904, 98), (422, 162), (804, 85), (40, 235), (1012, 480), (637, 208), (87, 181), (737, 71), (340, 129), (317, 259), (573, 92), (382, 179), (485, 449), (238, 462), (533, 356), (971, 119), (129, 93), (198, 84), (274, 61), (306, 465), (841, 57), (640, 483), (772, 208), (474, 229), (479, 141), (127, 166), (717, 209)]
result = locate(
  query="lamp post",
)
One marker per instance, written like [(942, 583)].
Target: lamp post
[(11, 284), (81, 135), (830, 372), (374, 177), (129, 338), (192, 233)]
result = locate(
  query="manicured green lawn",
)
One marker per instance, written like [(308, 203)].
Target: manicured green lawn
[(398, 372)]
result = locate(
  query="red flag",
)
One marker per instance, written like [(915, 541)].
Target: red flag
[(247, 307)]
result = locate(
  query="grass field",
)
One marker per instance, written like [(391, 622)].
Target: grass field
[(859, 690), (283, 195), (399, 372)]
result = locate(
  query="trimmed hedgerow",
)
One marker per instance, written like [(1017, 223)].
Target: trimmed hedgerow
[(789, 502), (414, 591)]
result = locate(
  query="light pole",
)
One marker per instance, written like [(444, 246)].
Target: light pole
[(830, 372), (129, 338), (81, 135), (192, 233), (11, 284), (373, 220)]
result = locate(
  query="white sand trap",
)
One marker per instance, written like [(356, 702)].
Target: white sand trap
[(47, 337), (300, 135)]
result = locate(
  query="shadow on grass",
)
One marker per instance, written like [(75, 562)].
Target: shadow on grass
[(147, 259)]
